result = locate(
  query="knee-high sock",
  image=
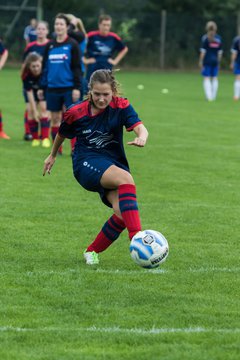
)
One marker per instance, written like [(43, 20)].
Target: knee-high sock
[(237, 89), (129, 208), (214, 87), (109, 233), (45, 125), (208, 88), (33, 126), (26, 124)]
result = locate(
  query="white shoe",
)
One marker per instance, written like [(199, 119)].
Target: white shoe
[(91, 257)]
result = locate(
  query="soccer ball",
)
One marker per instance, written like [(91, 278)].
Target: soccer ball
[(149, 248)]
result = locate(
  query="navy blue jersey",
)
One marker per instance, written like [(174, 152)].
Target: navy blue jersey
[(30, 82), (61, 65), (211, 49), (2, 48), (30, 33), (236, 48), (103, 47), (35, 47), (101, 134)]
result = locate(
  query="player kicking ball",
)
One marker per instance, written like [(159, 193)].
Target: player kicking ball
[(99, 160)]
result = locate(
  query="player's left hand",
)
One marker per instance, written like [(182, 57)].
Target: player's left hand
[(75, 95), (137, 142)]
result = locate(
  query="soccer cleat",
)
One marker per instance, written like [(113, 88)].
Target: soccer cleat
[(27, 137), (46, 143), (3, 135), (35, 142), (91, 257)]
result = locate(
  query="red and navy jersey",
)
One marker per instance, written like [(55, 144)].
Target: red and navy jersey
[(2, 48), (103, 47), (35, 47), (61, 65), (100, 134), (30, 82), (211, 48), (236, 48)]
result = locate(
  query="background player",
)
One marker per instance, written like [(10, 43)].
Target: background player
[(61, 72), (36, 108), (210, 56), (3, 59), (235, 66), (101, 47), (30, 31), (99, 160)]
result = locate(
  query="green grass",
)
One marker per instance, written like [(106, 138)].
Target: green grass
[(53, 307)]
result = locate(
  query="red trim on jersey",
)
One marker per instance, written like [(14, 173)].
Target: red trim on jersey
[(97, 32), (76, 112), (119, 103), (133, 126), (30, 45)]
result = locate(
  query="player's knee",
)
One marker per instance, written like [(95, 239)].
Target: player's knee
[(125, 178)]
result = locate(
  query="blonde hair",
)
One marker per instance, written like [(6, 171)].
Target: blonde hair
[(79, 23), (211, 26)]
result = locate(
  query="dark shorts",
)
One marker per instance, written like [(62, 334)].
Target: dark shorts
[(236, 69), (56, 100), (88, 172), (210, 71), (34, 94)]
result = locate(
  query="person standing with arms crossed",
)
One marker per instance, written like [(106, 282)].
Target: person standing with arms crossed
[(101, 47), (99, 160)]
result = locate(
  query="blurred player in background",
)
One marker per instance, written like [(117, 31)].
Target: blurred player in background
[(99, 160), (61, 73), (36, 108), (209, 60), (235, 66), (30, 33), (102, 46), (38, 46), (3, 59)]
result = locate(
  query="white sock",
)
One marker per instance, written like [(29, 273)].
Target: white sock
[(207, 88), (214, 87), (237, 89)]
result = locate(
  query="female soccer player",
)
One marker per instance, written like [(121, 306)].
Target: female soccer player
[(38, 46), (61, 72), (102, 46), (235, 66), (210, 57), (36, 107), (99, 160)]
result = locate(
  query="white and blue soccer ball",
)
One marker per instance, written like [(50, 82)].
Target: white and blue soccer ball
[(149, 248)]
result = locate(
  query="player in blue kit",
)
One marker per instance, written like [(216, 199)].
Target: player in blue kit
[(235, 66), (102, 46), (30, 33), (99, 160), (210, 57), (61, 72), (3, 59)]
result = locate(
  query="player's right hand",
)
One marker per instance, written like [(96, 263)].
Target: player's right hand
[(48, 164)]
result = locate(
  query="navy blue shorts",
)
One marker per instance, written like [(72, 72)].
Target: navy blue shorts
[(89, 173), (236, 69), (210, 71), (56, 100), (34, 94)]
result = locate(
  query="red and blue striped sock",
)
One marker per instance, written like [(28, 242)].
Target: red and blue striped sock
[(129, 208), (33, 126), (26, 124), (45, 125), (109, 233)]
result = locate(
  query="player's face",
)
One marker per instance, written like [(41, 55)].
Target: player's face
[(105, 26), (36, 68), (101, 95), (42, 31), (60, 27)]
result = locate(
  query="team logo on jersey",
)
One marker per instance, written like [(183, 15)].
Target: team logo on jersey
[(100, 140), (103, 49), (58, 57)]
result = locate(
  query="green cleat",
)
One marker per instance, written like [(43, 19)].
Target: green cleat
[(91, 257)]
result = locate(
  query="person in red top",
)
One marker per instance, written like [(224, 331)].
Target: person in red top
[(102, 46), (99, 159), (3, 59)]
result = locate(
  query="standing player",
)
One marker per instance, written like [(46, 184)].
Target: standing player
[(30, 33), (39, 47), (235, 66), (102, 46), (3, 59), (36, 108), (210, 56), (99, 160), (61, 72)]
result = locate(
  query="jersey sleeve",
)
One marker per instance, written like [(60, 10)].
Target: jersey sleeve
[(203, 46), (26, 84), (119, 44), (67, 128), (130, 118)]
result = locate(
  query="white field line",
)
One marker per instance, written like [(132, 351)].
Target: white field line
[(117, 330)]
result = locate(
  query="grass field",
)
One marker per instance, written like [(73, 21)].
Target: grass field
[(54, 307)]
